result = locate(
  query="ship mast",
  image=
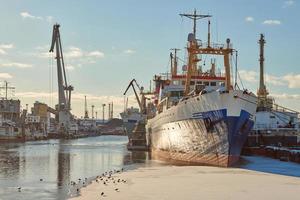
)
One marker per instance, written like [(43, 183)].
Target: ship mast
[(262, 91), (194, 17), (6, 87), (192, 44), (174, 62), (194, 49)]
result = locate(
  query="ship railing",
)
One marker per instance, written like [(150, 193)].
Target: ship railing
[(213, 45), (279, 108), (164, 76), (263, 127)]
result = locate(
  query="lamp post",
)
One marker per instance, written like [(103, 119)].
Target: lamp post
[(103, 106), (93, 111)]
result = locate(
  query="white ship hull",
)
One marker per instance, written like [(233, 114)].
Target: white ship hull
[(206, 129)]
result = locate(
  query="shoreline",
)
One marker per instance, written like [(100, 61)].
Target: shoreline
[(192, 182)]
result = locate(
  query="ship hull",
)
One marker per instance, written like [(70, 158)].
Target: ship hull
[(202, 133)]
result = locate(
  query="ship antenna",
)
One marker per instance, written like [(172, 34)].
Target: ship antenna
[(174, 61), (194, 17), (236, 69), (6, 87), (208, 35)]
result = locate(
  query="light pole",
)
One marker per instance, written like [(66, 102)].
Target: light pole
[(103, 105), (93, 111)]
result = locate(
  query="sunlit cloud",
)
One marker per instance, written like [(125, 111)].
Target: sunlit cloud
[(49, 19), (70, 67), (249, 19), (129, 51), (78, 100), (249, 76), (16, 64), (97, 54), (290, 80), (286, 96), (27, 15), (5, 47), (5, 76), (288, 3), (271, 22), (74, 52), (293, 80)]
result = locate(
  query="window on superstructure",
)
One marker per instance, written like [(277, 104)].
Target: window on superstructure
[(183, 82), (213, 84), (199, 82), (221, 83), (176, 93), (206, 83), (192, 82), (176, 82)]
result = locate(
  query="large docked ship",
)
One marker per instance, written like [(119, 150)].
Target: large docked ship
[(200, 117)]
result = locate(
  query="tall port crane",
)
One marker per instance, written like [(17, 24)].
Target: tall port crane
[(64, 90)]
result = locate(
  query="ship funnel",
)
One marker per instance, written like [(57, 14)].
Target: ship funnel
[(191, 38)]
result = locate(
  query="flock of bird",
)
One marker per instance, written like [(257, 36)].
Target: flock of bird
[(106, 179)]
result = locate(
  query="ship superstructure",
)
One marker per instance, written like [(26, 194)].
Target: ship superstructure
[(131, 116), (200, 117)]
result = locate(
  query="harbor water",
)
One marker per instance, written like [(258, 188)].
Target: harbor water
[(44, 169)]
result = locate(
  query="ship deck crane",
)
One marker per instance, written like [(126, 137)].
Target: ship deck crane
[(142, 101), (64, 90)]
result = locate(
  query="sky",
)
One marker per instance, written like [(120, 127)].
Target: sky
[(108, 43)]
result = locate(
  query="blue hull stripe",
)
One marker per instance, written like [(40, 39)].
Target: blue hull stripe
[(238, 127)]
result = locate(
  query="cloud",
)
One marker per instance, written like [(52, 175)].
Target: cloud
[(292, 80), (249, 19), (71, 52), (49, 19), (274, 80), (2, 52), (4, 47), (16, 64), (288, 3), (289, 80), (271, 22), (70, 67), (5, 76), (74, 52), (27, 15), (286, 96), (129, 51), (78, 101), (249, 76), (97, 54)]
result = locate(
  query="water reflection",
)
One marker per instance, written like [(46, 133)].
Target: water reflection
[(44, 169)]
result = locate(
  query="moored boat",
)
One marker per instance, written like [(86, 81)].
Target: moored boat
[(201, 117)]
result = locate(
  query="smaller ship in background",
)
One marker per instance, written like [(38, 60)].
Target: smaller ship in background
[(274, 124), (131, 116)]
